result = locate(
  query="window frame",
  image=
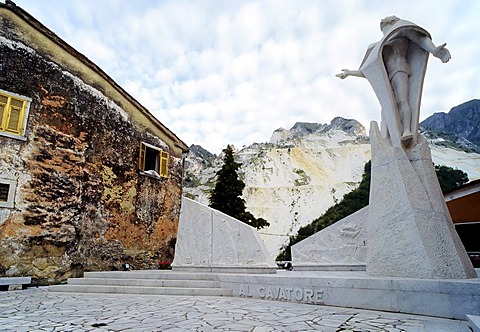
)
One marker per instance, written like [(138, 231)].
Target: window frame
[(10, 203), (161, 164), (23, 117)]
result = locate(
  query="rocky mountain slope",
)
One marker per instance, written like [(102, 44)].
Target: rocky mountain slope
[(301, 172), (460, 126)]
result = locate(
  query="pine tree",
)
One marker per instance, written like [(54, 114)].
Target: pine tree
[(226, 197)]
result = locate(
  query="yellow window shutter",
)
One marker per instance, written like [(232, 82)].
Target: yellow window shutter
[(141, 157), (3, 111), (14, 121), (164, 164)]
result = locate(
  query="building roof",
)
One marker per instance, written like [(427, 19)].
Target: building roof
[(464, 202), (56, 48)]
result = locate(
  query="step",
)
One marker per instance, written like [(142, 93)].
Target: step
[(141, 290), (144, 282), (150, 274), (152, 282)]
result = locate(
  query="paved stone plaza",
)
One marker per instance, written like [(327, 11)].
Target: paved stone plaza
[(37, 309)]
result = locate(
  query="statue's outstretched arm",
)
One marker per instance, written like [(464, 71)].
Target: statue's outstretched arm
[(426, 43), (347, 72), (442, 53)]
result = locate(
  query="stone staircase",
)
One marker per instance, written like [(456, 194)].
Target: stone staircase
[(149, 282)]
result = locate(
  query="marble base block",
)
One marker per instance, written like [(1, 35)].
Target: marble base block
[(448, 298), (409, 230)]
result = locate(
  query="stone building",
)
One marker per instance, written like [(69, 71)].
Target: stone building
[(89, 179)]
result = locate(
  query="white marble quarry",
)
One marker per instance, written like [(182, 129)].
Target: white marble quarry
[(210, 240), (409, 231), (341, 246)]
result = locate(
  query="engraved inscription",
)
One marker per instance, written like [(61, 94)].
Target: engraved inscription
[(281, 293)]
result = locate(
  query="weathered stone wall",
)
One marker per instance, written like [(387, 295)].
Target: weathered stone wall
[(80, 202)]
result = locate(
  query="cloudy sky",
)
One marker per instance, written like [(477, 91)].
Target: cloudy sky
[(220, 72)]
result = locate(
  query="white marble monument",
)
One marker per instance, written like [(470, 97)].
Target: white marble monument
[(211, 241), (409, 229), (339, 247)]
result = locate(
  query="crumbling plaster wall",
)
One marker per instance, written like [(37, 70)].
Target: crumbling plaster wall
[(80, 202)]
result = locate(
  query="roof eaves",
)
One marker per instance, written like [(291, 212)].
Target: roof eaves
[(50, 34)]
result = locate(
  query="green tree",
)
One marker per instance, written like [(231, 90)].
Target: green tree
[(226, 197), (450, 178)]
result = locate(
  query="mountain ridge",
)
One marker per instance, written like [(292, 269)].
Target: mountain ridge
[(461, 125), (301, 172)]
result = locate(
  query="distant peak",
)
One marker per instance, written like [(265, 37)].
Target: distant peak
[(473, 102), (198, 151), (300, 129), (460, 125), (308, 127), (350, 126)]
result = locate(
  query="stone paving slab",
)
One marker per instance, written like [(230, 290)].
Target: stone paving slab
[(36, 309)]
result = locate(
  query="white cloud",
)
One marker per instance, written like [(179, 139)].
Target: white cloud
[(218, 72)]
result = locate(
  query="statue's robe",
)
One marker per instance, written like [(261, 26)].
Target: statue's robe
[(374, 69)]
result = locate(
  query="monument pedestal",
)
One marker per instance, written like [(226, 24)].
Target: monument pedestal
[(410, 232)]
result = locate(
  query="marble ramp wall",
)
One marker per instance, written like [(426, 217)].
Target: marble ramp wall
[(341, 246), (213, 241)]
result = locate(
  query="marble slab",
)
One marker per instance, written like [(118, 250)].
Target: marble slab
[(211, 241)]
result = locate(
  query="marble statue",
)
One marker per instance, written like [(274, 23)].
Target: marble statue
[(395, 67), (409, 229)]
